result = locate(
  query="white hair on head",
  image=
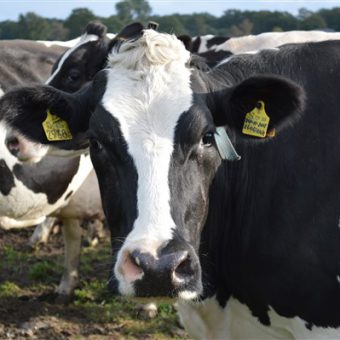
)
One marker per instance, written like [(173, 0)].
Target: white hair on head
[(152, 48)]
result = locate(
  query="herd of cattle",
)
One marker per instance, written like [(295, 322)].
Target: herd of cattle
[(250, 248)]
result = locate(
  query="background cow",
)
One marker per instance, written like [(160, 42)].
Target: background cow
[(29, 192), (215, 49)]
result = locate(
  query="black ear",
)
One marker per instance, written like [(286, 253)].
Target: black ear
[(26, 108), (96, 28), (186, 40), (129, 32), (282, 99)]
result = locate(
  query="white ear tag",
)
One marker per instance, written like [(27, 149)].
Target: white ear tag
[(225, 146)]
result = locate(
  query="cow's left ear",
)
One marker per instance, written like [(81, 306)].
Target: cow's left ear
[(49, 116), (260, 105)]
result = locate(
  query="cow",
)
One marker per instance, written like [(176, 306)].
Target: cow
[(33, 187), (216, 48), (250, 247)]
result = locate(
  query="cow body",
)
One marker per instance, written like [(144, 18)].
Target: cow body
[(26, 62), (250, 248), (45, 187), (215, 52)]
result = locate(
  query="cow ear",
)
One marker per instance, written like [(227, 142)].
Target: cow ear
[(260, 106), (49, 116), (131, 31), (96, 28), (186, 40)]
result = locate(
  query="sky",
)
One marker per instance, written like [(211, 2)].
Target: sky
[(10, 9)]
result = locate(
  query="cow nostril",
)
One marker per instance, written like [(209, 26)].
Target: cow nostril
[(12, 144), (131, 269), (183, 270)]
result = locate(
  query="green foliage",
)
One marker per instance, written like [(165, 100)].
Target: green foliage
[(44, 271), (312, 22), (9, 289), (77, 21), (129, 10), (232, 22)]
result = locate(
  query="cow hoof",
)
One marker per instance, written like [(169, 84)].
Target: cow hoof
[(148, 311)]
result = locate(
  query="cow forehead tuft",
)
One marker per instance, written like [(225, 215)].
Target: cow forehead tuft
[(152, 48)]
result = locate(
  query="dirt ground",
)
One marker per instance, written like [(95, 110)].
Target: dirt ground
[(29, 308)]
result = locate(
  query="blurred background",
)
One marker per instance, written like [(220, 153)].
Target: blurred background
[(63, 20)]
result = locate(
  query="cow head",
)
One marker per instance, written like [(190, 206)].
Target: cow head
[(79, 64), (152, 133)]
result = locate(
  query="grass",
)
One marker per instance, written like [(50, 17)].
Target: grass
[(9, 289), (26, 276)]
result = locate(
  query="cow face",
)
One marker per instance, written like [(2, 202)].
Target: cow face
[(152, 141), (24, 149), (78, 65)]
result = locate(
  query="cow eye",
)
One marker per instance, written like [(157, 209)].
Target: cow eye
[(95, 144), (73, 75), (208, 139)]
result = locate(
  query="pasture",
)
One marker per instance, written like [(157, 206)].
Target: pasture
[(27, 301)]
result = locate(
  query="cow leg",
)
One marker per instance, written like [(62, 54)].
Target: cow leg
[(41, 233), (72, 239)]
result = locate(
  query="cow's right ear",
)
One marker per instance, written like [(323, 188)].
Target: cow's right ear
[(186, 40), (49, 116)]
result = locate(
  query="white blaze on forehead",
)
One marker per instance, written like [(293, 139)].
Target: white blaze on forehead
[(85, 38), (1, 92), (148, 89)]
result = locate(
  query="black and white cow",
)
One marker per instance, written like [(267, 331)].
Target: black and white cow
[(215, 48), (250, 248), (31, 191)]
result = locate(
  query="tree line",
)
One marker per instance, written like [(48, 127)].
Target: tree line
[(232, 22)]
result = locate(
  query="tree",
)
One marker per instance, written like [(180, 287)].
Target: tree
[(113, 24), (312, 22), (331, 17), (170, 24), (8, 29), (33, 26), (128, 10), (57, 30), (77, 21)]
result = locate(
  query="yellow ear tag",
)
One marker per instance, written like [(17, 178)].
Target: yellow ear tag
[(55, 128), (256, 122)]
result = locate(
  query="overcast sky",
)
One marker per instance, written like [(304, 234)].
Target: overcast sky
[(10, 9)]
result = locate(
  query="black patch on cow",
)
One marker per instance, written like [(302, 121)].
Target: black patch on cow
[(216, 41), (196, 45), (6, 178), (130, 32), (186, 40), (68, 195), (51, 176), (214, 57)]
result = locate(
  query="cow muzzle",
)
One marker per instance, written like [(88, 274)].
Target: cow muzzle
[(173, 273)]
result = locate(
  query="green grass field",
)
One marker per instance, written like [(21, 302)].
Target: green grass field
[(27, 300)]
